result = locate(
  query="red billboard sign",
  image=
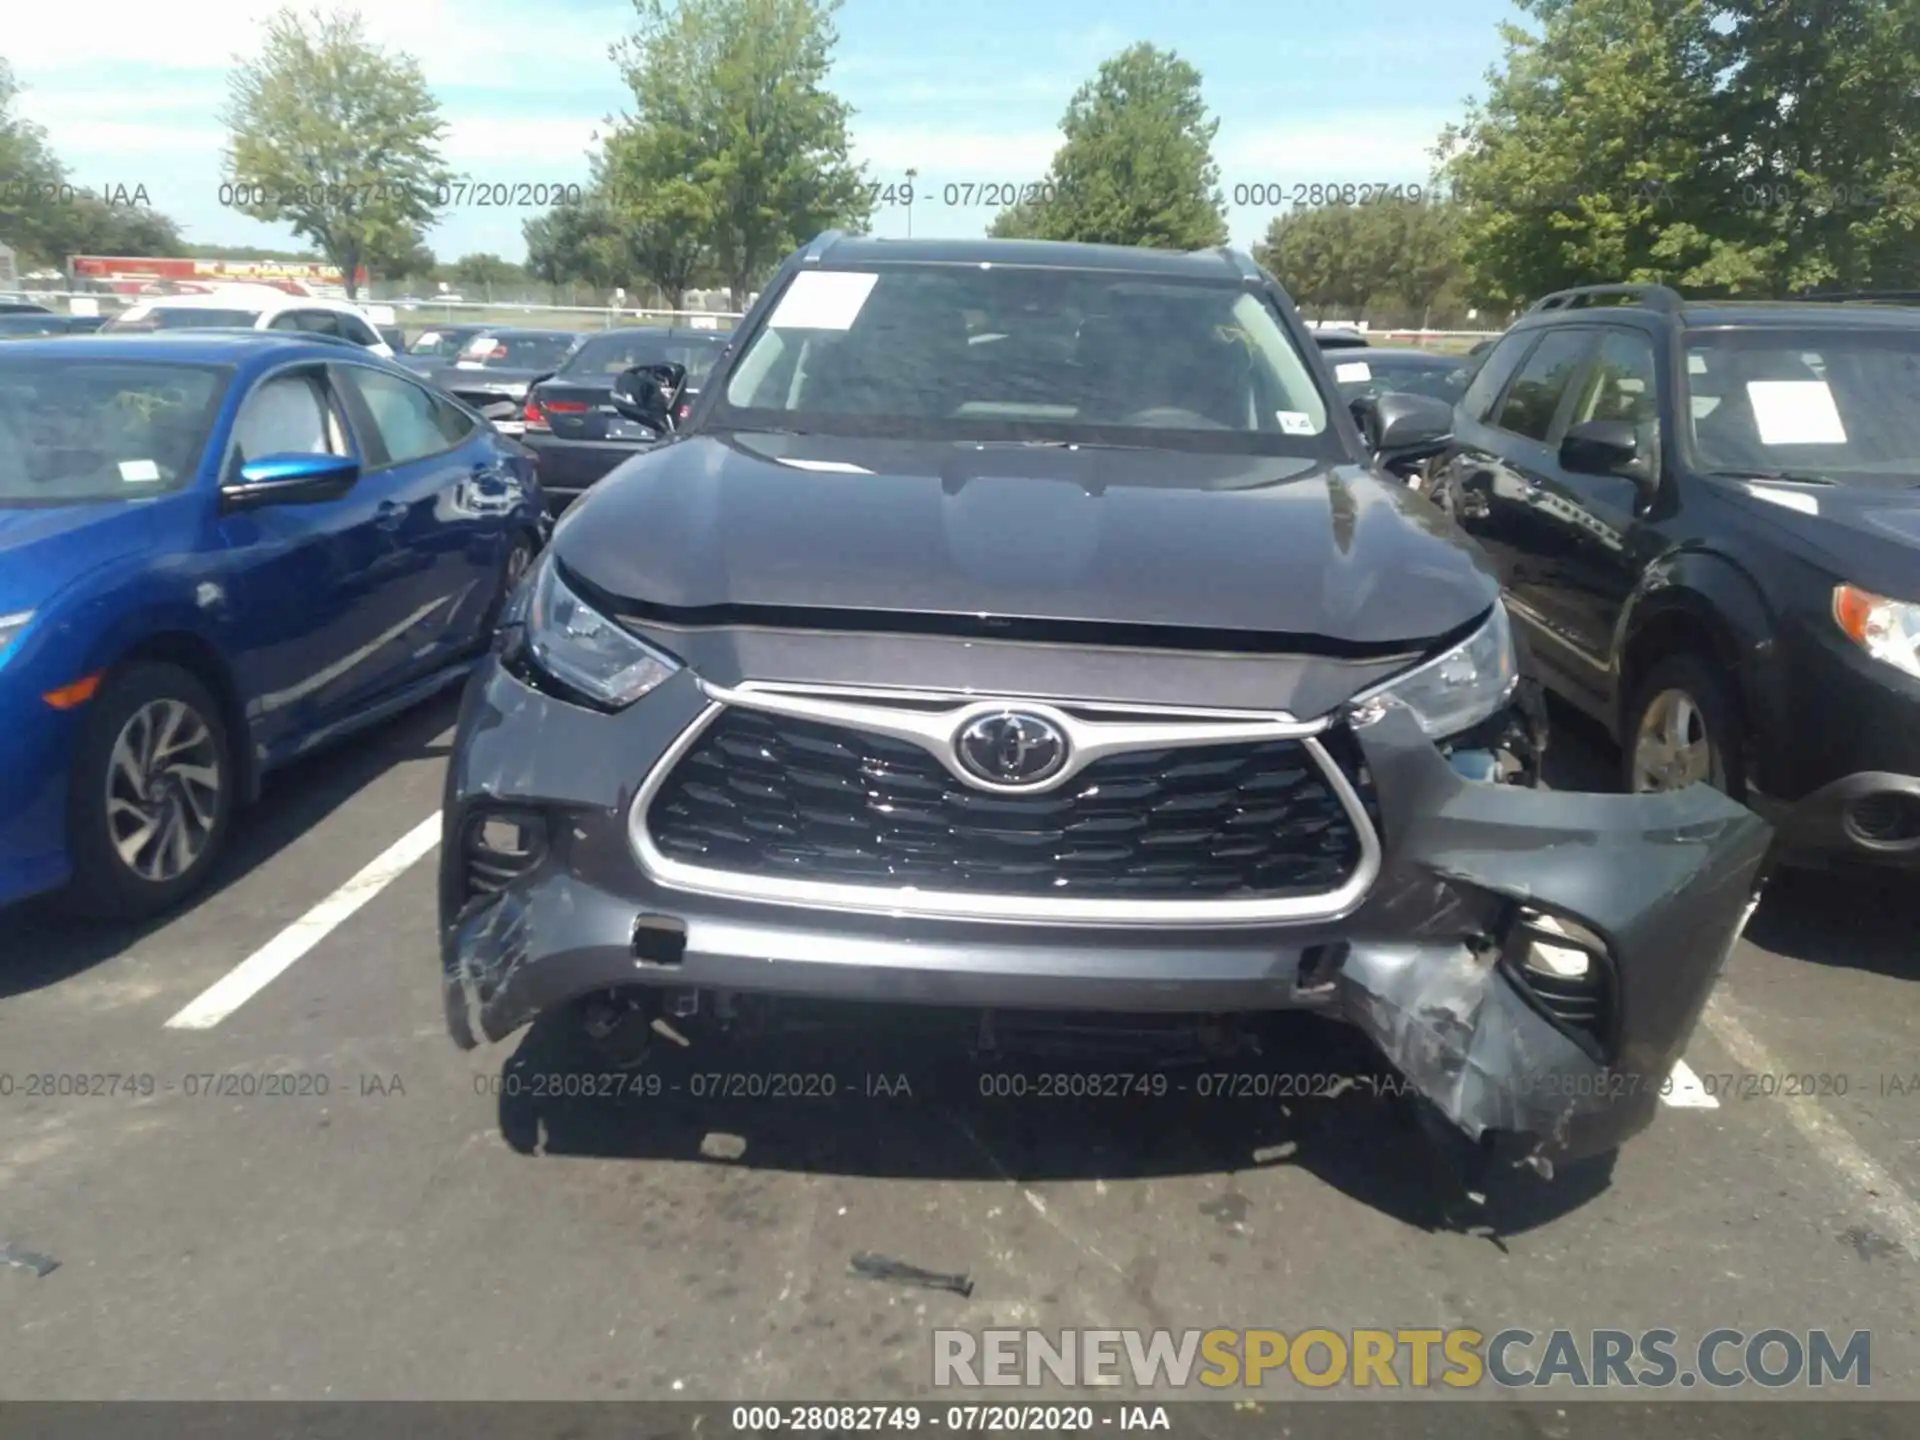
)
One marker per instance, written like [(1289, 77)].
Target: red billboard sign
[(134, 274)]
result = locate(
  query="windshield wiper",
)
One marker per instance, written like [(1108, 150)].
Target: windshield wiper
[(1792, 477)]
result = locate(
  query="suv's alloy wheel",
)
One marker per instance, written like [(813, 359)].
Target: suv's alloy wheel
[(1680, 730)]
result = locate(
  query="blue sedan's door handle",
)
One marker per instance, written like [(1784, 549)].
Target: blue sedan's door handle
[(391, 515)]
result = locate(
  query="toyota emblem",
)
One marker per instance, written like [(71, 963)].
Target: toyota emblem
[(1011, 748)]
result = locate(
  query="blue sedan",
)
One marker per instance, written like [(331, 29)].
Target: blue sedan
[(219, 551)]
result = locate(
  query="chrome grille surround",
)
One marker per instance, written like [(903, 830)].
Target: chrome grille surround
[(929, 720)]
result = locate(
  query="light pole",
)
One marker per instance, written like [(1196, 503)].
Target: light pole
[(912, 175)]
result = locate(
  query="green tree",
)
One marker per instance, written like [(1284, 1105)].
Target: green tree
[(1596, 153), (1136, 164), (338, 139), (1022, 220), (46, 218), (571, 244), (481, 271), (1423, 243), (663, 216), (731, 97), (1824, 100)]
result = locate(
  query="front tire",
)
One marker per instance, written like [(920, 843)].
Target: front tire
[(1682, 728), (150, 796)]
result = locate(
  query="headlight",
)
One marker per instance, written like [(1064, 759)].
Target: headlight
[(1886, 629), (12, 625), (1456, 691), (583, 649)]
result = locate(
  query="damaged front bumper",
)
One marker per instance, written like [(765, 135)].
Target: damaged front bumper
[(1532, 962)]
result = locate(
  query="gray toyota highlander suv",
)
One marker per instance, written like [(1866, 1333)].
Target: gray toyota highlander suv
[(1020, 625)]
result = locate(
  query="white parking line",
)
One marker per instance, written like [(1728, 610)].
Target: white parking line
[(1880, 1194), (260, 969), (1686, 1092)]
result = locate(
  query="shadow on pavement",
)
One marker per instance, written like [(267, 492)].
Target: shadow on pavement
[(45, 945), (899, 1092)]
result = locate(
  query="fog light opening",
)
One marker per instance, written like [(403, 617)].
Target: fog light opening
[(1565, 971), (1319, 965), (502, 846), (659, 940), (1884, 819)]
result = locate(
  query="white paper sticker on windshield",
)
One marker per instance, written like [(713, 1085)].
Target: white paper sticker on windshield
[(137, 472), (481, 344), (432, 337), (1795, 412), (1294, 422), (823, 300), (1352, 371), (1696, 363)]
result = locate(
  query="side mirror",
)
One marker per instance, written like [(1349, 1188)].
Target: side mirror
[(290, 479), (1398, 424), (649, 393), (1605, 447)]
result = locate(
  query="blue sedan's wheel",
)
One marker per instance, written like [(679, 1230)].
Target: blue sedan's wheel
[(152, 793)]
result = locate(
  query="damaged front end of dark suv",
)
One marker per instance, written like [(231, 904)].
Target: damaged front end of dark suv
[(1178, 726)]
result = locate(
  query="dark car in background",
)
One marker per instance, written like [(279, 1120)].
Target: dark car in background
[(220, 550), (912, 674), (494, 366), (1366, 377), (437, 346), (1707, 519), (1341, 340), (573, 422), (23, 307)]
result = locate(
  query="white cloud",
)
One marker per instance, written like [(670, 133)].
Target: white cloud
[(941, 152), (458, 42), (1370, 145)]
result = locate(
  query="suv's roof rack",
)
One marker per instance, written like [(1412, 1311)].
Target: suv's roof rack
[(1848, 297), (822, 243), (1655, 297), (1243, 264)]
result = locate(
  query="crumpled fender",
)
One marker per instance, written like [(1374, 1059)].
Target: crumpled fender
[(1665, 881)]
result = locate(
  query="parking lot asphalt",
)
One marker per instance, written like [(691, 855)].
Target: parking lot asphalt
[(417, 1232)]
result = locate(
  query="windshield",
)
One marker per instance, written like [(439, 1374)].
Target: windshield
[(182, 317), (1840, 404), (89, 429), (1440, 376), (614, 351), (519, 352), (1029, 354)]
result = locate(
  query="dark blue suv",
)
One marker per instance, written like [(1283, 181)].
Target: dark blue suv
[(219, 550)]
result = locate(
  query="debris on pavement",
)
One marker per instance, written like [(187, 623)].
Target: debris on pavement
[(18, 1259), (879, 1267)]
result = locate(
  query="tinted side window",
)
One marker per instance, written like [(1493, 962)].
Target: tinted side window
[(288, 320), (319, 322), (356, 329), (406, 415), (1542, 383), (455, 424), (1494, 373), (287, 414)]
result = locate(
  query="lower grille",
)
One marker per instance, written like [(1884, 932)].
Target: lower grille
[(771, 796)]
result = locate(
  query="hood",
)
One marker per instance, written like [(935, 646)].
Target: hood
[(45, 550), (1865, 534), (1257, 551)]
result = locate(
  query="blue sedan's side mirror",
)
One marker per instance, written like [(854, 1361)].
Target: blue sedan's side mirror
[(291, 479)]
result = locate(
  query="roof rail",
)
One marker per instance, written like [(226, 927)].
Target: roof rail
[(1244, 265), (1849, 297), (1654, 297), (822, 243)]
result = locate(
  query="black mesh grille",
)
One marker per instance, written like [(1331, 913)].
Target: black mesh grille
[(797, 799)]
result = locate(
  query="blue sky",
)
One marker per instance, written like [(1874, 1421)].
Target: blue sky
[(965, 93)]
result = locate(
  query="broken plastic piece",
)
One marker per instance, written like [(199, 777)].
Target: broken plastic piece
[(879, 1267), (40, 1265)]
